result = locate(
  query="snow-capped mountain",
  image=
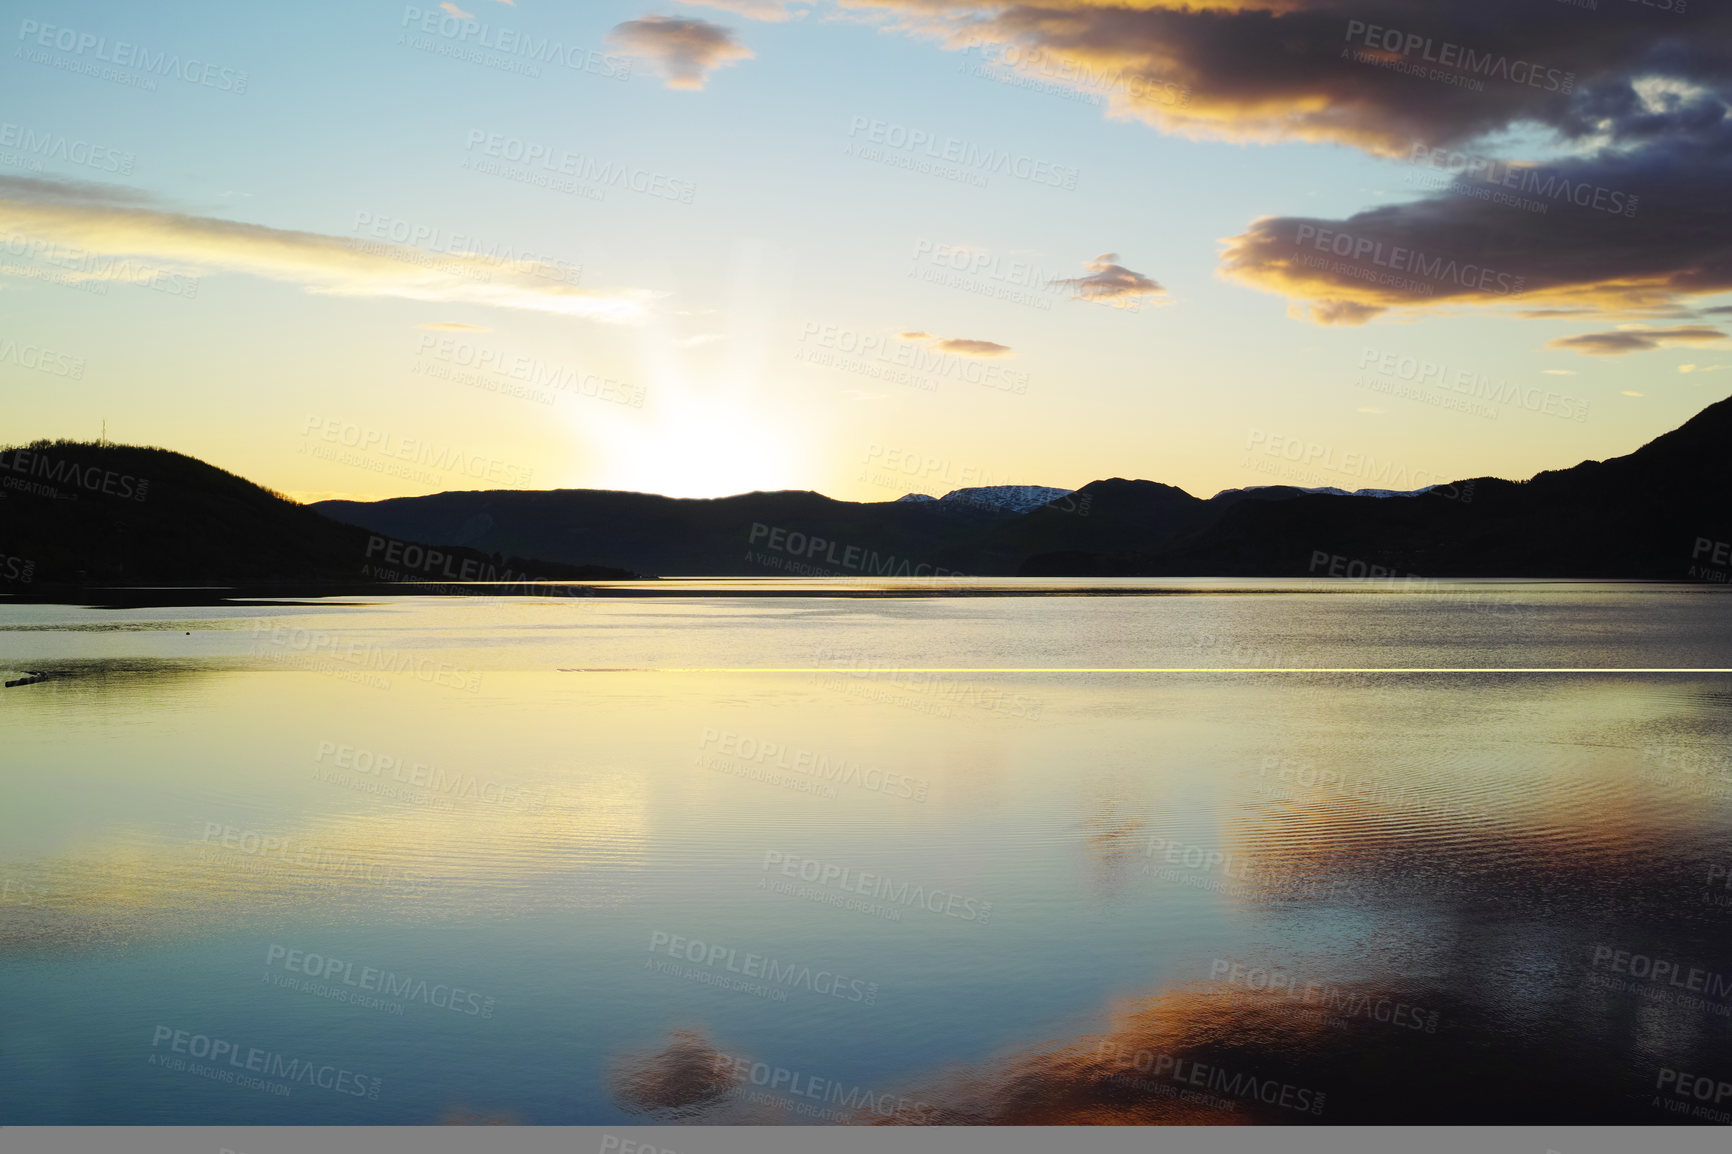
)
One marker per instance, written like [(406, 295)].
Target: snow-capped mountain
[(1000, 498)]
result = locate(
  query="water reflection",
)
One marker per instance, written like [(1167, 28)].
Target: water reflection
[(1214, 898)]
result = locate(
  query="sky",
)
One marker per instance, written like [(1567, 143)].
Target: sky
[(866, 247)]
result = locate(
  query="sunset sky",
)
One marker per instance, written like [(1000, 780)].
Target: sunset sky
[(377, 250)]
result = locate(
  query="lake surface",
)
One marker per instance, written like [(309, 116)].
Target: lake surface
[(570, 860)]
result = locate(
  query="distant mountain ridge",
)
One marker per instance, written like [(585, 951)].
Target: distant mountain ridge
[(96, 515), (1643, 515)]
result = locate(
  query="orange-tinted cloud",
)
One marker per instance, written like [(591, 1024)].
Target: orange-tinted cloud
[(1110, 281), (962, 346), (971, 348)]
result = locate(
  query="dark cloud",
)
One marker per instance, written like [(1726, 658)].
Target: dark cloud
[(1633, 97), (1377, 75), (1634, 232)]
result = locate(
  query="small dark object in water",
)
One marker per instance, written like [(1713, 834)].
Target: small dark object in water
[(32, 679)]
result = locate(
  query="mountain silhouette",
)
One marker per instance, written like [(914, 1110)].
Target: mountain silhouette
[(90, 515), (1644, 515), (98, 515)]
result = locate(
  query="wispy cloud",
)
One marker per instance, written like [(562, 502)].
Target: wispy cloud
[(684, 51), (1110, 281), (84, 230), (961, 346), (1631, 339)]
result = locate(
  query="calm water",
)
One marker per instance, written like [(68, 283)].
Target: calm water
[(561, 861)]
